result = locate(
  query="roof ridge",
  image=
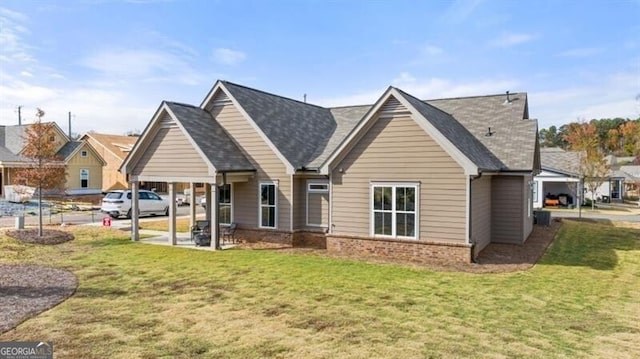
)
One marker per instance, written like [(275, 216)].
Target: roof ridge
[(274, 95), (345, 106), (182, 104), (430, 105), (476, 96)]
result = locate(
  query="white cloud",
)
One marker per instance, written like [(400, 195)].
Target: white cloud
[(581, 52), (26, 74), (431, 50), (228, 57), (607, 97), (142, 65), (12, 43), (507, 40), (460, 10), (429, 88)]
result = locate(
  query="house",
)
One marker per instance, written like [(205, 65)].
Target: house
[(113, 149), (83, 164), (405, 178), (559, 182)]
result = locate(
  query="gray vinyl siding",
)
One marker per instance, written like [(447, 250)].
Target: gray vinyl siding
[(269, 167), (396, 149), (481, 213), (170, 154), (300, 203), (507, 216)]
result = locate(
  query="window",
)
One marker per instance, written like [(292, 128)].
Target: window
[(317, 203), (395, 210), (84, 178), (534, 190), (83, 153), (268, 205), (224, 195), (52, 138), (318, 187)]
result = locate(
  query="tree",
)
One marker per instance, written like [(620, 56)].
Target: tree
[(593, 169), (630, 132), (45, 170)]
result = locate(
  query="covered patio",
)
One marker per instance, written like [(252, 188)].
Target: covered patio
[(182, 144)]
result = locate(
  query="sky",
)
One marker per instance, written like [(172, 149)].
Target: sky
[(112, 62)]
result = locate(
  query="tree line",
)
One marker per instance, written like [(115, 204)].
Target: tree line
[(611, 136)]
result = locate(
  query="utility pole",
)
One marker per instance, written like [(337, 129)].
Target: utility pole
[(70, 139), (19, 116)]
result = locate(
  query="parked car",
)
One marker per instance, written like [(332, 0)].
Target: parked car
[(118, 203)]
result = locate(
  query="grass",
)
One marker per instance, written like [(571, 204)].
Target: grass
[(143, 301), (182, 225)]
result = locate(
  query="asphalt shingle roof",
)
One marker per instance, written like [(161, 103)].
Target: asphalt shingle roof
[(298, 130), (558, 160), (211, 138), (457, 134), (513, 138), (68, 149)]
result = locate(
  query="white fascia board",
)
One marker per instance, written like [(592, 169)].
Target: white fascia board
[(219, 86), (470, 169), (212, 168)]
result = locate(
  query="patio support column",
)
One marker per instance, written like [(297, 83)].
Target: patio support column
[(192, 204), (207, 196), (212, 211), (172, 214), (135, 232)]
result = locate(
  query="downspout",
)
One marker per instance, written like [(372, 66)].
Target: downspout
[(471, 179)]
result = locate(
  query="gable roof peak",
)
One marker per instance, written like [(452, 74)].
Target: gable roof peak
[(270, 94)]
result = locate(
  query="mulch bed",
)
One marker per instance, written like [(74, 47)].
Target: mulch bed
[(49, 236), (495, 258), (28, 290)]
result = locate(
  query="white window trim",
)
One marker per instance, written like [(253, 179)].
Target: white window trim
[(84, 153), (275, 216), (314, 191), (230, 205), (88, 177), (372, 185)]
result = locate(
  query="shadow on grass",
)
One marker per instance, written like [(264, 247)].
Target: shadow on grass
[(591, 243), (90, 292)]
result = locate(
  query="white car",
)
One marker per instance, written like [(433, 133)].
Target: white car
[(118, 203)]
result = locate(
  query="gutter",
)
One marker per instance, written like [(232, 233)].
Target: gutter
[(471, 179)]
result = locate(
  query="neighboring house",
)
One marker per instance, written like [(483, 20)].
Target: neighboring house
[(83, 164), (631, 175), (559, 182), (113, 149), (559, 178), (403, 178)]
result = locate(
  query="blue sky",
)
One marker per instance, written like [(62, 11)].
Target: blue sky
[(111, 62)]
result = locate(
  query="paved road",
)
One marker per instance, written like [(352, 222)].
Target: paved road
[(80, 217), (611, 217)]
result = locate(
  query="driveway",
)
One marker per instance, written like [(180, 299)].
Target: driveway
[(626, 214)]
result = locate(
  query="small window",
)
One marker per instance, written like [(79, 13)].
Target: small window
[(83, 153), (52, 138), (268, 205), (224, 194), (84, 178), (318, 187)]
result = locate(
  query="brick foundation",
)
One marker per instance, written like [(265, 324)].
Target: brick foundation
[(307, 239), (263, 235), (414, 251)]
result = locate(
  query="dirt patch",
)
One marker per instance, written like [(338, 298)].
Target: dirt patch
[(49, 236), (495, 258), (28, 290)]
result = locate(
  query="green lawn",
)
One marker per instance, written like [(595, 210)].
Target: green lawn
[(143, 301)]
